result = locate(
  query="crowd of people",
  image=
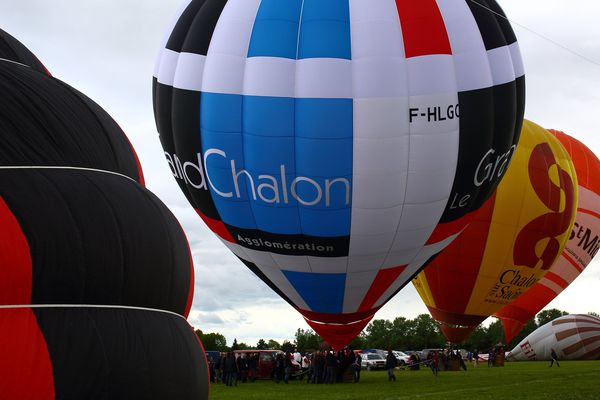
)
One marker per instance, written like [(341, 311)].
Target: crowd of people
[(327, 366), (319, 367), (230, 368)]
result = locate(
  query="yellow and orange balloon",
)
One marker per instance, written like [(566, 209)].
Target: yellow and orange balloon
[(582, 246), (512, 241)]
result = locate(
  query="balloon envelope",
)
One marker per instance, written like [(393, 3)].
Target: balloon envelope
[(13, 50), (77, 228), (512, 241), (581, 247), (45, 122), (95, 353), (573, 337), (336, 146), (88, 237), (85, 253)]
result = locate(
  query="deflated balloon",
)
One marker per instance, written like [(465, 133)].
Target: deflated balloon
[(573, 337), (512, 241), (581, 247), (337, 146)]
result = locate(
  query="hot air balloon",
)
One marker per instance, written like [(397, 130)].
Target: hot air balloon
[(512, 241), (337, 146), (13, 50), (573, 337), (582, 246), (96, 275)]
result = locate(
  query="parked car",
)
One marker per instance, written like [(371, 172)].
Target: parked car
[(425, 352), (212, 354), (372, 361), (403, 358), (382, 353)]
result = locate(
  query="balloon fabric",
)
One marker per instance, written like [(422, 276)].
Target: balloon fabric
[(96, 273), (512, 241), (581, 248), (335, 147)]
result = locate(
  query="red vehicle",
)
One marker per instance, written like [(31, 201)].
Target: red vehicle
[(266, 362)]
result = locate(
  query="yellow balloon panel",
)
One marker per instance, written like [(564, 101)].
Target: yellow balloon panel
[(514, 238)]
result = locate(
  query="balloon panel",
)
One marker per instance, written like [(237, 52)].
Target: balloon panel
[(85, 353), (90, 237), (314, 159), (45, 122), (573, 337), (13, 50), (512, 241), (581, 247)]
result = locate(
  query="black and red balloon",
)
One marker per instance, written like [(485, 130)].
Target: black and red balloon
[(13, 50), (96, 274)]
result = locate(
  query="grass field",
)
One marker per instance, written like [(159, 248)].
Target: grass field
[(517, 380)]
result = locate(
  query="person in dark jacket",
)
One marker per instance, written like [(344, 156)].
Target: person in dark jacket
[(242, 363), (318, 365), (356, 367), (231, 369), (279, 368), (253, 367), (218, 369), (554, 357), (331, 367), (287, 367), (390, 363)]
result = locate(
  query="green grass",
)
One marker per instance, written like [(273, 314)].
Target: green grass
[(517, 380)]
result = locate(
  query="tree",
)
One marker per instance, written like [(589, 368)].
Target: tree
[(401, 335), (273, 344), (427, 332), (594, 314), (212, 341), (307, 340), (495, 332), (379, 334), (261, 345), (359, 342), (287, 346), (243, 346), (478, 340), (546, 316)]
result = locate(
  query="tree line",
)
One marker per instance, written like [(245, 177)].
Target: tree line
[(419, 333)]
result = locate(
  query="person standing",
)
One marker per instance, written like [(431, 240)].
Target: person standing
[(491, 358), (231, 369), (297, 356), (331, 367), (279, 367), (390, 363), (435, 363), (320, 368), (287, 367), (253, 367), (306, 366), (356, 367), (554, 357)]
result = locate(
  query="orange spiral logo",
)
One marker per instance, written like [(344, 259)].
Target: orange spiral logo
[(550, 225)]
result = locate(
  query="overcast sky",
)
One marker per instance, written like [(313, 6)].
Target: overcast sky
[(107, 49)]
